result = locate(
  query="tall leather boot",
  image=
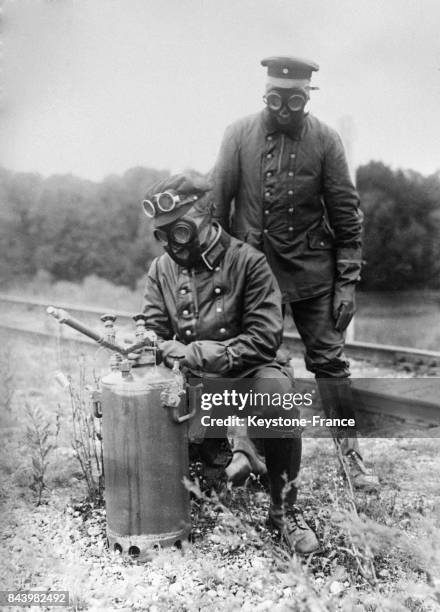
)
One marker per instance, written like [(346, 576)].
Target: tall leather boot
[(337, 402)]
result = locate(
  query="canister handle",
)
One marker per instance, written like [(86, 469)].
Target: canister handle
[(172, 400), (97, 404), (192, 402), (184, 417)]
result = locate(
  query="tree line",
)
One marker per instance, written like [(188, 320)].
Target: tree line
[(402, 228), (73, 228)]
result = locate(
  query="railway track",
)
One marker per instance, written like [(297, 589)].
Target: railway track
[(29, 313), (411, 399)]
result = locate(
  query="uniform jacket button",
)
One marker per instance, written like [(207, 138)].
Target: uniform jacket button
[(188, 332), (222, 330), (217, 290)]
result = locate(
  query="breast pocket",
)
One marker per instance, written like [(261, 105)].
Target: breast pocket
[(320, 240)]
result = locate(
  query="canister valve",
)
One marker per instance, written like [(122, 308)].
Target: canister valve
[(109, 327)]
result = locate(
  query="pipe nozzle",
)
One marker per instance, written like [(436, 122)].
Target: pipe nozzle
[(58, 313)]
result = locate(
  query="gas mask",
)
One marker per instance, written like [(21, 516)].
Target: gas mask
[(286, 106), (181, 241)]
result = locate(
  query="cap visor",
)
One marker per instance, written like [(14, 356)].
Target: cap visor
[(287, 83), (165, 218)]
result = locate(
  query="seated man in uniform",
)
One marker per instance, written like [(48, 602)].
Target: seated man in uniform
[(215, 306)]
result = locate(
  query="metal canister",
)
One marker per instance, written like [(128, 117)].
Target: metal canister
[(145, 460)]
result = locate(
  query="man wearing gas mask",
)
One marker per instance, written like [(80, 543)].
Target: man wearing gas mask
[(216, 308), (282, 184)]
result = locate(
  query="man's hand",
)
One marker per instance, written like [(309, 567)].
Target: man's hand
[(344, 306), (173, 350)]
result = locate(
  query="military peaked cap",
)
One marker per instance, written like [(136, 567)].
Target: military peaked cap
[(188, 188), (289, 67)]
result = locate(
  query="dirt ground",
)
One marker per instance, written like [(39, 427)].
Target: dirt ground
[(384, 554)]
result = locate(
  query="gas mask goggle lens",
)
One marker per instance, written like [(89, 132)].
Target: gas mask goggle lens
[(180, 233), (161, 236), (180, 240), (183, 232), (295, 102)]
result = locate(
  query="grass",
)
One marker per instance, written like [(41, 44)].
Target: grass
[(234, 562), (93, 290)]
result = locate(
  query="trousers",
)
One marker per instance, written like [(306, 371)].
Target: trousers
[(324, 356), (282, 447)]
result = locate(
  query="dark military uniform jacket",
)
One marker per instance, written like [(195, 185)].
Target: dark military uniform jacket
[(228, 310), (293, 199)]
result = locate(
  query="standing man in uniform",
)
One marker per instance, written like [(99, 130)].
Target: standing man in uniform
[(282, 184)]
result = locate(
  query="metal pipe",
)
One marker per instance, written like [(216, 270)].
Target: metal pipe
[(146, 342), (63, 316)]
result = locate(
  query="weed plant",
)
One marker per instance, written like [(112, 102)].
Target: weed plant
[(40, 442), (86, 436), (7, 378)]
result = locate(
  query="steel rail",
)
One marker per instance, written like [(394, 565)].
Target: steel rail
[(404, 407), (364, 351)]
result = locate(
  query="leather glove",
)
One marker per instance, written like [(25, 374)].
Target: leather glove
[(348, 269), (173, 350), (344, 306)]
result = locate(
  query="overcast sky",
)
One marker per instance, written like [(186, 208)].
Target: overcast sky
[(94, 87)]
